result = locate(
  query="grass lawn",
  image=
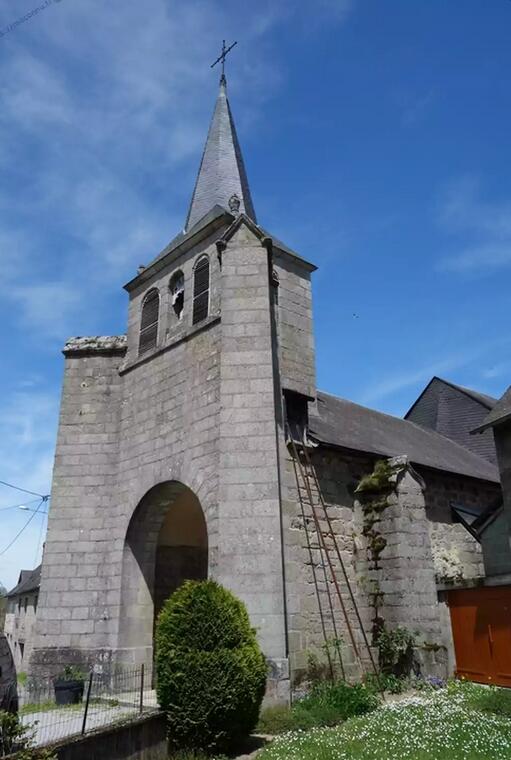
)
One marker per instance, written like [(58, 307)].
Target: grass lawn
[(460, 722)]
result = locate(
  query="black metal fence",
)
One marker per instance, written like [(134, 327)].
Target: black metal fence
[(54, 709)]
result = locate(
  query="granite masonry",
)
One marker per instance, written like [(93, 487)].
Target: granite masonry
[(181, 450)]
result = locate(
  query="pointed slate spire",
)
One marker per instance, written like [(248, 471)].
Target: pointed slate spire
[(222, 172)]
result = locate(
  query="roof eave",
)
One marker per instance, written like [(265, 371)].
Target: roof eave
[(372, 453), (405, 416), (491, 424), (261, 235), (189, 241)]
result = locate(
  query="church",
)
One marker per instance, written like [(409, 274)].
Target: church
[(198, 445)]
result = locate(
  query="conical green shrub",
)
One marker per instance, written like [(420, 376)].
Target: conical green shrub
[(211, 673)]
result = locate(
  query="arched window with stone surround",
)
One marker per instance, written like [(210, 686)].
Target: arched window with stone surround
[(200, 290), (149, 321)]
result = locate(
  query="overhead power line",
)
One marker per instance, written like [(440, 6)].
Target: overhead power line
[(24, 490), (44, 499)]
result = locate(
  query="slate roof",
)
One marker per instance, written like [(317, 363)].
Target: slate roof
[(222, 171), (29, 580), (350, 426), (477, 519), (500, 412), (221, 175), (221, 216), (483, 399), (214, 214)]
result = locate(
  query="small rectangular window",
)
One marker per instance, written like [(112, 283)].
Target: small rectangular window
[(297, 415)]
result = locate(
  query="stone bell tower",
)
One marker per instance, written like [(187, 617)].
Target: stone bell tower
[(170, 443)]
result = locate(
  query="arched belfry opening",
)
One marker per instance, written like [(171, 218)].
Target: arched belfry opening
[(166, 543)]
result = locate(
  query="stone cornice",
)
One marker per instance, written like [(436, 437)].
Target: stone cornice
[(112, 345)]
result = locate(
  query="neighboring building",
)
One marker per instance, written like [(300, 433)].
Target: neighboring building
[(495, 524), (21, 615), (480, 608), (455, 411), (183, 452)]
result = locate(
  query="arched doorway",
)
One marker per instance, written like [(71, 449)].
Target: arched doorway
[(182, 547), (166, 544)]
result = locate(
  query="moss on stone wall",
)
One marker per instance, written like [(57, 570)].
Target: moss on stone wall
[(373, 493), (379, 481)]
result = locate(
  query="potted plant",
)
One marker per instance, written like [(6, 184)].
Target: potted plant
[(69, 686)]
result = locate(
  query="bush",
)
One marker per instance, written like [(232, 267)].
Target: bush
[(331, 703), (386, 682), (395, 651), (211, 674), (492, 699), (277, 720), (14, 737), (326, 705)]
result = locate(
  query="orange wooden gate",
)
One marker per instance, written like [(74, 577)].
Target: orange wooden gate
[(481, 627)]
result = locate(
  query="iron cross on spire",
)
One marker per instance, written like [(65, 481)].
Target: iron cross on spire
[(221, 58)]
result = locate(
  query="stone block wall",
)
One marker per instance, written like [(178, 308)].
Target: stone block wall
[(249, 535), (197, 411), (315, 615), (76, 583), (127, 423), (170, 329), (142, 738), (403, 574), (418, 515), (457, 555), (295, 325)]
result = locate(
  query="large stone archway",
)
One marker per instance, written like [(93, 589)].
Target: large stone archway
[(166, 543)]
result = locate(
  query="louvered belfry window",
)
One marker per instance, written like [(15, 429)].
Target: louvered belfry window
[(149, 322), (201, 290)]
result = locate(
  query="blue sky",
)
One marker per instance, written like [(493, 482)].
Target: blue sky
[(376, 139)]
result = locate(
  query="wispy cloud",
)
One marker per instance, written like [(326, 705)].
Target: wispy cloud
[(116, 134), (27, 440), (464, 213), (104, 112), (415, 107), (337, 9), (407, 378)]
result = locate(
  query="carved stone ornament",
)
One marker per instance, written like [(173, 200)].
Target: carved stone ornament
[(234, 204)]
